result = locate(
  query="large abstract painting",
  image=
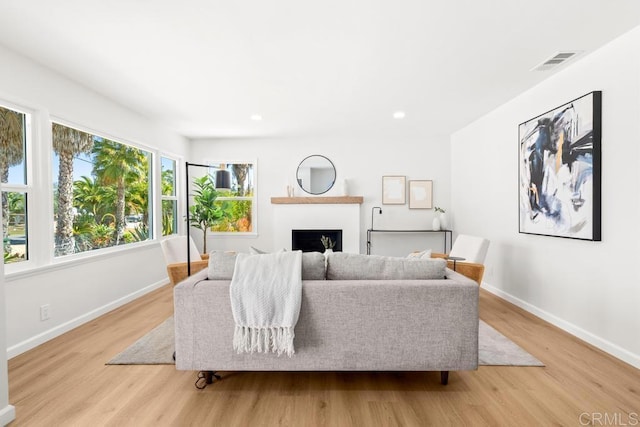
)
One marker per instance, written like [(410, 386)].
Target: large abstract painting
[(559, 165)]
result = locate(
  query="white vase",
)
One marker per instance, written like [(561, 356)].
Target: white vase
[(444, 221), (435, 224), (345, 187)]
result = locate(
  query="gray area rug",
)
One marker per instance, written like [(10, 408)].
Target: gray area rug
[(494, 349), (156, 348)]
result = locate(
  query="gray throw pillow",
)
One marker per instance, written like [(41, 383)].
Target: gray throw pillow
[(345, 266), (313, 266), (221, 265)]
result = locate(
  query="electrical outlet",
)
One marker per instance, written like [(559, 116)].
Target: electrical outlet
[(44, 312)]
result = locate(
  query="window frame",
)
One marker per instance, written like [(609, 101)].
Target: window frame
[(175, 197), (153, 183), (28, 188), (40, 197)]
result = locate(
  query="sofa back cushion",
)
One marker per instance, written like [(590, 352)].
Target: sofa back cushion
[(222, 264), (345, 266), (313, 266)]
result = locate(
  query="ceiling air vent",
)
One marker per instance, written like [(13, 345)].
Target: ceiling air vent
[(555, 61)]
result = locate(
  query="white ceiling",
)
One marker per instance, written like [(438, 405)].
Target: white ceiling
[(203, 67)]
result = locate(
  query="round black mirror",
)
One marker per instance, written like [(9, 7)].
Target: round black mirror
[(316, 174)]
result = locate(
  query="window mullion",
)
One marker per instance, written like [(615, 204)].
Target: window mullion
[(41, 200)]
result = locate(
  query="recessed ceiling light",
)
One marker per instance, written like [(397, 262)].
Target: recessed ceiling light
[(398, 115), (256, 117)]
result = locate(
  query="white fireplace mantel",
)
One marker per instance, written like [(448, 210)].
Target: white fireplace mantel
[(311, 213), (320, 200)]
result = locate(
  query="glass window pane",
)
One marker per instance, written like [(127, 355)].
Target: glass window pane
[(12, 147), (236, 216), (241, 175), (235, 194), (101, 192), (168, 176), (169, 217), (243, 179), (14, 227)]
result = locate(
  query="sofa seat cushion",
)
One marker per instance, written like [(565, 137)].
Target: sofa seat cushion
[(345, 266), (222, 264)]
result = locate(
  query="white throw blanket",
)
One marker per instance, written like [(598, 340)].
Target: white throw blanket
[(266, 291)]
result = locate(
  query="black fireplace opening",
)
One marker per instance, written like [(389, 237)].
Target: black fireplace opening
[(311, 240)]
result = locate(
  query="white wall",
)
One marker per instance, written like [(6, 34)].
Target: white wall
[(362, 162), (588, 288), (79, 291)]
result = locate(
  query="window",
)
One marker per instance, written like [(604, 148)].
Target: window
[(235, 184), (169, 198), (14, 131), (102, 192)]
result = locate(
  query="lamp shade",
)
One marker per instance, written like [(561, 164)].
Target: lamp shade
[(223, 179)]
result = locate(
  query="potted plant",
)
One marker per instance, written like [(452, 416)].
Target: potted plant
[(443, 221), (204, 213), (327, 243)]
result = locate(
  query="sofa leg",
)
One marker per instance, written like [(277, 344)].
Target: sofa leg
[(444, 377), (209, 375), (204, 378)]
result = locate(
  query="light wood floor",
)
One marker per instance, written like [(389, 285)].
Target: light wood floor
[(66, 382)]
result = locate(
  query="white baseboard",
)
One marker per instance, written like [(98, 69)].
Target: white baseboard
[(7, 414), (602, 344), (47, 335)]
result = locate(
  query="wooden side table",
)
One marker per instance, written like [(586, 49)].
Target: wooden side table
[(454, 259)]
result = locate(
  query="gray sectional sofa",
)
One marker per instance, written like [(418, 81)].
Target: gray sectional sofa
[(369, 314)]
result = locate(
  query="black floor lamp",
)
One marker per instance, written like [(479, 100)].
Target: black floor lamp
[(223, 180)]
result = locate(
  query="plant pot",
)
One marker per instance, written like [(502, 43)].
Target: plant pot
[(435, 224), (444, 221)]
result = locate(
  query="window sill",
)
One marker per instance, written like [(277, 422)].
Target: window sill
[(78, 259), (252, 235)]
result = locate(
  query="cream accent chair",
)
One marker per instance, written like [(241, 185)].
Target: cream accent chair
[(474, 250), (175, 255)]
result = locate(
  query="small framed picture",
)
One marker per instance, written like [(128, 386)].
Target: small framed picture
[(394, 190), (420, 194)]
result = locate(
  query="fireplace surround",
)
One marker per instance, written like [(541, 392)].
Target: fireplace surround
[(317, 213)]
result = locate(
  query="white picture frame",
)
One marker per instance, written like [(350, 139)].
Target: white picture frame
[(420, 194), (394, 190)]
